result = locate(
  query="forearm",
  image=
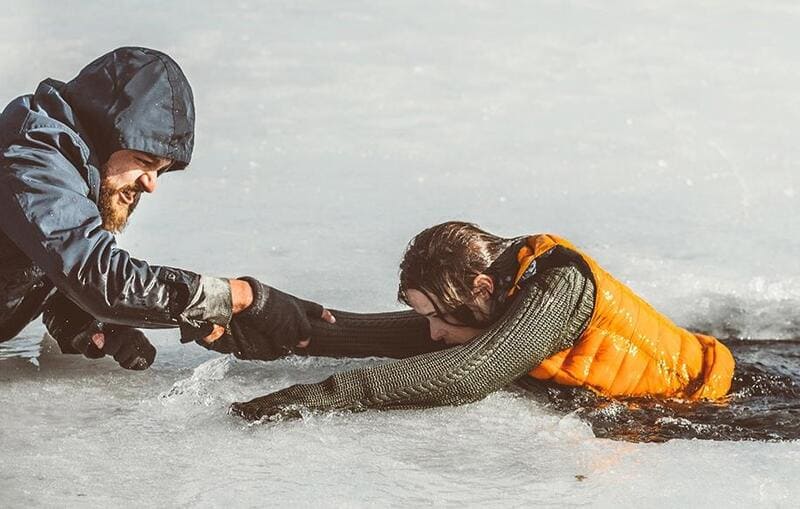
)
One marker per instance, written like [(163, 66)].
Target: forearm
[(547, 318), (397, 334), (212, 303)]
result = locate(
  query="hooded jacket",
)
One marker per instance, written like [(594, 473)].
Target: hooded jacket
[(52, 146)]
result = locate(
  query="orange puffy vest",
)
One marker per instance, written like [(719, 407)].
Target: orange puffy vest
[(628, 348)]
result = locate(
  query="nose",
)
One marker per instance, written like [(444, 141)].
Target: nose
[(437, 333), (148, 181)]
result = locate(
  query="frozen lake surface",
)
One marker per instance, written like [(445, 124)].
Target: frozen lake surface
[(661, 137)]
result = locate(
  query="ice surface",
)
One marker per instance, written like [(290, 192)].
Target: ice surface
[(659, 136)]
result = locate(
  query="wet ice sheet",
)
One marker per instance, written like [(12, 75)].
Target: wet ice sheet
[(659, 136), (162, 438)]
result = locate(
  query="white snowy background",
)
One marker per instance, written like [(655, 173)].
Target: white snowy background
[(660, 136)]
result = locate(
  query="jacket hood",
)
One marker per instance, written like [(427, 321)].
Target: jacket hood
[(136, 99)]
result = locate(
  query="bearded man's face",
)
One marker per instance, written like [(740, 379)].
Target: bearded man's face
[(125, 176)]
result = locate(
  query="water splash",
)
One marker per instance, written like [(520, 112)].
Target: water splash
[(195, 388)]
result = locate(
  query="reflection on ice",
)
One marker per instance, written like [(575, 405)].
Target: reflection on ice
[(25, 346)]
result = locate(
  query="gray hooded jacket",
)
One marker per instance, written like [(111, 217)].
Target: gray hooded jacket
[(52, 146)]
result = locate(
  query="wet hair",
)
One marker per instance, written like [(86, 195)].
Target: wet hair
[(443, 260)]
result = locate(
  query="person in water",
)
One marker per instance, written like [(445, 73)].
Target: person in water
[(499, 309)]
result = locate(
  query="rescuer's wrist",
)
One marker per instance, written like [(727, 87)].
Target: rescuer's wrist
[(241, 295)]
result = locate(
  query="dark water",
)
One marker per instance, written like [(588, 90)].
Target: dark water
[(763, 404)]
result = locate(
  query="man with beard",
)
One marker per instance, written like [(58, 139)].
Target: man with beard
[(75, 158)]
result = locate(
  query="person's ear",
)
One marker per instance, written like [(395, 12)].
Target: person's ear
[(483, 285)]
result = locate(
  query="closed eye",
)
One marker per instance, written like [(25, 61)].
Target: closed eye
[(143, 162), (148, 164), (164, 169)]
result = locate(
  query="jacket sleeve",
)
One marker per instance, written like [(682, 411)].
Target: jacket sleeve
[(544, 319), (46, 210)]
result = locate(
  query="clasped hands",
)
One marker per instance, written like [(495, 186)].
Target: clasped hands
[(267, 323)]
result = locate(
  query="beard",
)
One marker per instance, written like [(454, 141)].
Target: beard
[(114, 213)]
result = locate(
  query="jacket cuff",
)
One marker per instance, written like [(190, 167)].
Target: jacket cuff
[(261, 294), (211, 303)]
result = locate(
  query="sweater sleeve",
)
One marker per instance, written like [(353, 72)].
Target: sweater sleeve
[(548, 316), (395, 334)]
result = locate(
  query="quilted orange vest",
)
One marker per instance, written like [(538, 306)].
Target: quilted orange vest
[(629, 348)]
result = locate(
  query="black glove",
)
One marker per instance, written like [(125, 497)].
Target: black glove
[(129, 347), (270, 328), (73, 328)]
